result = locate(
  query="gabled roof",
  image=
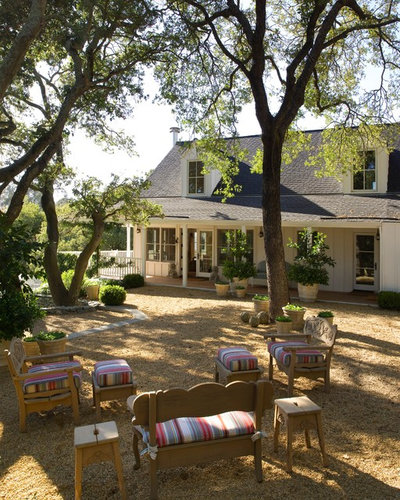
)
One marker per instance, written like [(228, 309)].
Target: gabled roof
[(303, 195)]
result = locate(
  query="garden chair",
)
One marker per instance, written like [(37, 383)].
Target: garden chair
[(297, 357), (43, 386)]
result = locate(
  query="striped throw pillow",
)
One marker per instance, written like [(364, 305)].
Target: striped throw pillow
[(49, 382), (192, 429), (112, 372), (237, 359), (307, 355)]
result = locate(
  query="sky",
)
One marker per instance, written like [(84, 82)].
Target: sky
[(150, 129)]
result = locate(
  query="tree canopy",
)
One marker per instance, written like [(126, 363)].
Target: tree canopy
[(287, 58)]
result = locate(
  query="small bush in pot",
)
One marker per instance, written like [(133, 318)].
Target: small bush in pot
[(132, 281), (283, 324), (31, 346), (112, 295), (51, 335), (328, 315), (51, 342), (296, 313)]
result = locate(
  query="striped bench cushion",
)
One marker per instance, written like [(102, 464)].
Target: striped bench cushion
[(112, 372), (307, 355), (192, 429), (50, 382), (237, 359)]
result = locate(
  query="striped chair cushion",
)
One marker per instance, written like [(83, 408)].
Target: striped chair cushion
[(50, 382), (237, 359), (112, 372), (307, 355), (192, 429)]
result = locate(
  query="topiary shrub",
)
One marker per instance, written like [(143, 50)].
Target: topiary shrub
[(389, 300), (112, 295), (132, 281)]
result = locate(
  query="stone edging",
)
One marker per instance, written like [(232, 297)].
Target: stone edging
[(137, 316)]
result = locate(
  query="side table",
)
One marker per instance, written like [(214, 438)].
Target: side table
[(97, 443), (298, 414)]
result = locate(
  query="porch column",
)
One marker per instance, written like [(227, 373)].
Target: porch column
[(143, 234), (128, 240), (185, 266)]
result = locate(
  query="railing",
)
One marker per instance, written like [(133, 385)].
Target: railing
[(120, 267)]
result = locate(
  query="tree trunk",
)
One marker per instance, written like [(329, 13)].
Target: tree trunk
[(56, 285), (271, 208)]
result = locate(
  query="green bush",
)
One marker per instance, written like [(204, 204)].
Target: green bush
[(389, 300), (52, 335), (18, 312), (105, 281), (132, 281), (66, 261), (325, 314), (112, 295), (294, 307), (283, 319), (67, 276), (261, 297)]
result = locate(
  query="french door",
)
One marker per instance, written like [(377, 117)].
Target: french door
[(365, 262), (204, 252)]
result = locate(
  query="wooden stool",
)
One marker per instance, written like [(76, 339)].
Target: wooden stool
[(230, 362), (298, 413), (97, 443)]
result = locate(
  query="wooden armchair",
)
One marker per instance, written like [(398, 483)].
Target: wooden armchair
[(205, 423), (298, 357), (43, 386)]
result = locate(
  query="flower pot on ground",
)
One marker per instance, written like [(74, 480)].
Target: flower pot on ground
[(283, 324), (222, 288), (31, 346), (240, 291), (52, 342), (328, 315), (296, 313), (92, 288), (261, 303), (309, 266)]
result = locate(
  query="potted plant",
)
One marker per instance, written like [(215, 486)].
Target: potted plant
[(309, 266), (296, 313), (236, 268), (283, 324), (328, 315), (261, 303), (52, 342), (240, 291), (222, 288), (31, 346)]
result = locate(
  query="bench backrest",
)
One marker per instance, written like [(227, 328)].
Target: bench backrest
[(15, 357), (203, 400), (321, 330)]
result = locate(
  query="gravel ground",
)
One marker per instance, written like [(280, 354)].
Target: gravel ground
[(175, 347)]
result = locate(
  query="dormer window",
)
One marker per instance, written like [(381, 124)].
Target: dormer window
[(365, 179), (196, 178)]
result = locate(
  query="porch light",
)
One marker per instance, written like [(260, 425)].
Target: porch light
[(261, 233), (138, 230)]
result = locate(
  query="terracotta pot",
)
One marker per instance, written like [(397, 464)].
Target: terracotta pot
[(297, 318), (31, 348), (222, 289), (307, 293), (237, 282), (261, 305), (52, 346), (283, 326), (240, 292)]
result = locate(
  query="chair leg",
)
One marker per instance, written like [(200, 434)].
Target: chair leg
[(271, 367), (290, 386), (216, 373), (153, 479), (277, 425), (257, 460), (327, 381), (136, 453), (75, 408)]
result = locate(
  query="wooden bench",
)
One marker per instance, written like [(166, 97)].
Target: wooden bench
[(169, 413)]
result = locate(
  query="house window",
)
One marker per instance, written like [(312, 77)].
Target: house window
[(160, 244), (196, 178), (222, 245), (364, 179)]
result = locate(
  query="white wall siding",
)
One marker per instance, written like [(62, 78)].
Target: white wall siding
[(390, 256)]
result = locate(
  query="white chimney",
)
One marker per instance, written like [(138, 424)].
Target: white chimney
[(175, 132)]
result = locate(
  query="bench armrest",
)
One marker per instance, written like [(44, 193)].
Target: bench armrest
[(67, 354)]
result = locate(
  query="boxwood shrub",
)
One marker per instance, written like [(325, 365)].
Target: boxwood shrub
[(132, 281), (112, 295), (389, 300)]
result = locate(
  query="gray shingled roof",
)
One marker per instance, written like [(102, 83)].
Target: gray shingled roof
[(303, 196)]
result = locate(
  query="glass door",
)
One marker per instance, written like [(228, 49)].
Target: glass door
[(204, 258), (365, 262)]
